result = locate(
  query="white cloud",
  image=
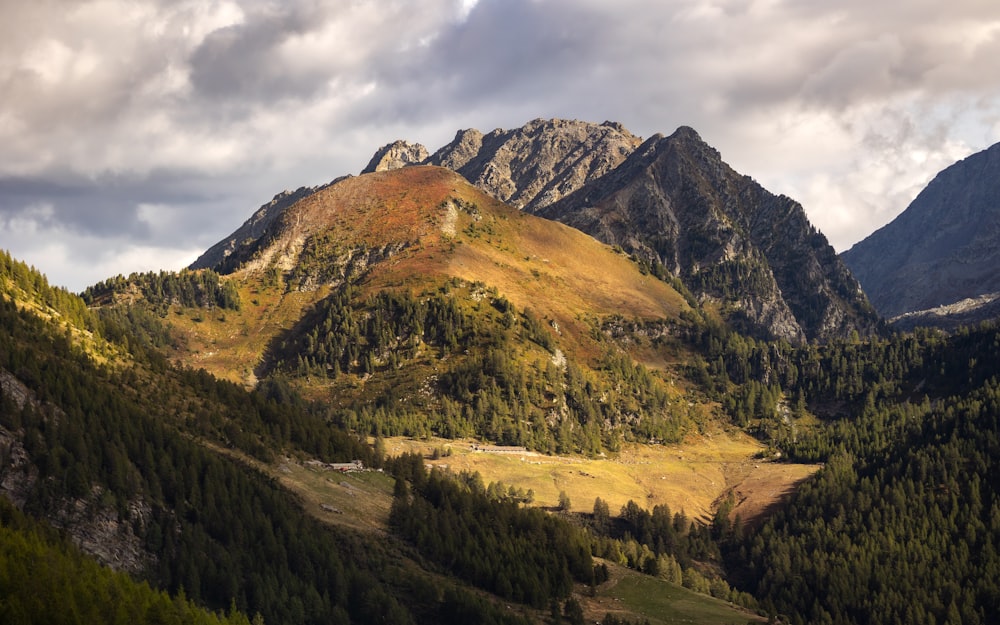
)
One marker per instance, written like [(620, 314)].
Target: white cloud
[(206, 109)]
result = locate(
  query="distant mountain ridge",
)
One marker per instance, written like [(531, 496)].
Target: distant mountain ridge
[(254, 227), (673, 203), (944, 248), (541, 162)]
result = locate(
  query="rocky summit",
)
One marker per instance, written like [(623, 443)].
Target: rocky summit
[(671, 202), (674, 204), (943, 249), (535, 165), (395, 155)]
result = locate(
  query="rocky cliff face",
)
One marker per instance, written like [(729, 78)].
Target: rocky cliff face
[(539, 163), (395, 155), (944, 248), (675, 202)]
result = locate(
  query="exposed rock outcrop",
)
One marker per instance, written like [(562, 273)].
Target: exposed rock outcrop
[(944, 248), (539, 163), (93, 522), (395, 155), (969, 311), (675, 202)]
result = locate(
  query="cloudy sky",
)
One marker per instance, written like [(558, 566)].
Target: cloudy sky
[(134, 134)]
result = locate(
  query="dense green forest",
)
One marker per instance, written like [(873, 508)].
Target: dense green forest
[(902, 524), (908, 534), (159, 290), (518, 553), (497, 374), (220, 531), (45, 579)]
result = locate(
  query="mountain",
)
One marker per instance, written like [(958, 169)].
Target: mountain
[(364, 292), (944, 248), (673, 203), (403, 302), (539, 163), (408, 310)]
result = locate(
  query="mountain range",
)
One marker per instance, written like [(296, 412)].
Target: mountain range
[(673, 204), (585, 377)]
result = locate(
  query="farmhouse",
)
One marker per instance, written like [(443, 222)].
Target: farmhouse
[(343, 467)]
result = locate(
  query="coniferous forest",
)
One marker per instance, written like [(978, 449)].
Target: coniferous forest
[(900, 525)]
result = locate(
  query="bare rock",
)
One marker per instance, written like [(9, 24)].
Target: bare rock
[(944, 248), (539, 163), (395, 155)]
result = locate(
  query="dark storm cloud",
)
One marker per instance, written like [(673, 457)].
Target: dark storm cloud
[(103, 206)]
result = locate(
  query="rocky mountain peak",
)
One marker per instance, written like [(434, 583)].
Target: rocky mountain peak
[(457, 154), (944, 248), (538, 163), (395, 155), (687, 133), (674, 203)]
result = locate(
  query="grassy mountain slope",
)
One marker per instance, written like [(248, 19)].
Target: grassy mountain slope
[(429, 224), (372, 258)]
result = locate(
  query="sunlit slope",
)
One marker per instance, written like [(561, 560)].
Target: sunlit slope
[(413, 229)]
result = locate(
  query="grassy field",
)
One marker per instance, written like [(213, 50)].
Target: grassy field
[(359, 500), (638, 597), (689, 477)]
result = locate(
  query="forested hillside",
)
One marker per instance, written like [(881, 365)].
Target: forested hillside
[(903, 523), (44, 579), (498, 373), (122, 442)]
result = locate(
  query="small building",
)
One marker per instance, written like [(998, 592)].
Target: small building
[(347, 467), (500, 449)]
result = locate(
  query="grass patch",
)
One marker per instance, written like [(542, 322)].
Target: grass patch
[(691, 477), (358, 500), (636, 596)]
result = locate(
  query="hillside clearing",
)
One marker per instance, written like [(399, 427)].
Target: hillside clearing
[(691, 477), (635, 596)]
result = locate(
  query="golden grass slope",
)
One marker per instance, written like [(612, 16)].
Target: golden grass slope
[(693, 476), (449, 229)]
